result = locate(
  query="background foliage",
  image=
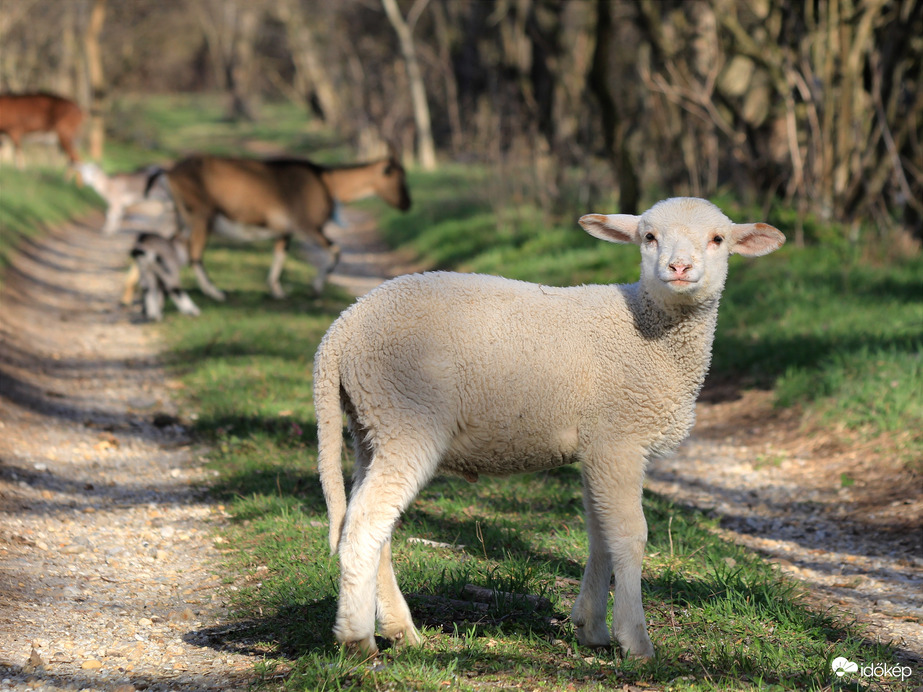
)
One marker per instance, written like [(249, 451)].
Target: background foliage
[(819, 104)]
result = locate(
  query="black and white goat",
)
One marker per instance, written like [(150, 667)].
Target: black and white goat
[(158, 261)]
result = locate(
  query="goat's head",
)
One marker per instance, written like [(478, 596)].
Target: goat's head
[(391, 184)]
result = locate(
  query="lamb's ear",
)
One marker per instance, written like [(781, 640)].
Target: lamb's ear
[(755, 239), (614, 228)]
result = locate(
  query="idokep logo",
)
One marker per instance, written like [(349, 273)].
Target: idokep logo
[(842, 665)]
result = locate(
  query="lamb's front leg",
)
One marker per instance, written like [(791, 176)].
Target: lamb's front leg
[(589, 611), (613, 491)]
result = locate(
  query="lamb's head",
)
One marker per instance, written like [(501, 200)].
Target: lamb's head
[(685, 243)]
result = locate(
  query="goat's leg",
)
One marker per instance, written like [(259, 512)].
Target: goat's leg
[(132, 277), (183, 302), (198, 239), (67, 145), (113, 218), (153, 303), (613, 487), (324, 258), (167, 267), (279, 251), (18, 156), (151, 287)]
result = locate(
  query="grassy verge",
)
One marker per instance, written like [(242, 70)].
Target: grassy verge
[(157, 129), (35, 198)]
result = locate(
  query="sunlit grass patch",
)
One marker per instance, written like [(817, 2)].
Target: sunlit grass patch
[(33, 199)]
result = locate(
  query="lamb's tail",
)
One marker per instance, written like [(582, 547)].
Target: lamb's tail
[(328, 408)]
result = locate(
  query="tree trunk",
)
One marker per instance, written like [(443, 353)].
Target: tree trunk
[(426, 150), (312, 81), (98, 95), (612, 126), (451, 83), (240, 67), (229, 28)]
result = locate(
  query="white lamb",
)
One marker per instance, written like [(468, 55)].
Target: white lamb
[(470, 374)]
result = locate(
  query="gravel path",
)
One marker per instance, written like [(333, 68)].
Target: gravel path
[(107, 551)]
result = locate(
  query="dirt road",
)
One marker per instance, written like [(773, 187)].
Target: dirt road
[(106, 545)]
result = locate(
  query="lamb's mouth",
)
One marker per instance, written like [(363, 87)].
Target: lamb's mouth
[(681, 283)]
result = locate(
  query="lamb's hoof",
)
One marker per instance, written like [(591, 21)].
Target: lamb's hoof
[(363, 648), (593, 639), (407, 637), (638, 657), (278, 293), (642, 651)]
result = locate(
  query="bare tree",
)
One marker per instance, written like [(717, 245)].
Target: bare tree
[(229, 27), (426, 149), (311, 80), (98, 90)]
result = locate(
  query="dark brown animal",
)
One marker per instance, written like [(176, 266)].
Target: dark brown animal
[(21, 114), (287, 197)]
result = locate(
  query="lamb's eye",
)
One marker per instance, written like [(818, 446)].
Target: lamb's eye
[(649, 237), (717, 240)]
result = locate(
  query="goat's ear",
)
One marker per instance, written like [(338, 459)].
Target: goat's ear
[(614, 228), (755, 239)]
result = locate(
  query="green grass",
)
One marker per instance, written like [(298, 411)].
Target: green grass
[(35, 198), (158, 129), (837, 334)]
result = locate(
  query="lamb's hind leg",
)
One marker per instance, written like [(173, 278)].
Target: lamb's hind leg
[(391, 481), (394, 619)]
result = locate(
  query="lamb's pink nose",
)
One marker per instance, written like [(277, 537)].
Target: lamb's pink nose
[(679, 268)]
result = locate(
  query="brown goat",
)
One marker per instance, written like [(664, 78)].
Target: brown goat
[(287, 197), (21, 114)]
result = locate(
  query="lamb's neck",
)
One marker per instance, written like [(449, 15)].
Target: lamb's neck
[(687, 331)]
